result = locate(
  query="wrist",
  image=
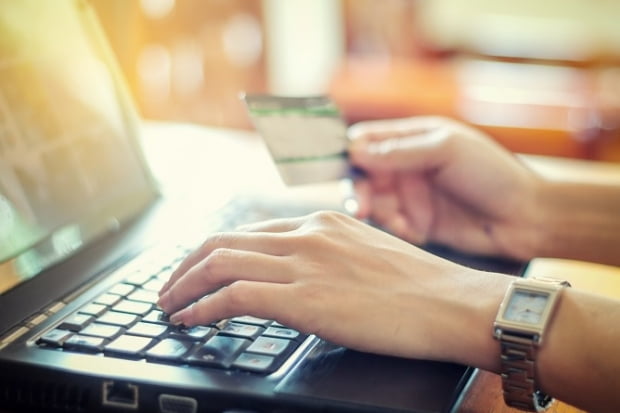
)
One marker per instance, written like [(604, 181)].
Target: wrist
[(535, 221), (473, 321), (523, 234)]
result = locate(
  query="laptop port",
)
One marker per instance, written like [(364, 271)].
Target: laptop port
[(169, 403), (120, 394)]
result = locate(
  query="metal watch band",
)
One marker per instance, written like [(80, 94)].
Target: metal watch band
[(519, 345), (517, 372)]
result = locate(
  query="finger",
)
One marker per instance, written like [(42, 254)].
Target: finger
[(386, 212), (381, 129), (382, 181), (220, 268), (415, 200), (424, 152), (397, 225), (267, 243), (273, 225), (258, 299), (416, 143), (363, 196)]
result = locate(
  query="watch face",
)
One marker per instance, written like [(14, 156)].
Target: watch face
[(526, 307)]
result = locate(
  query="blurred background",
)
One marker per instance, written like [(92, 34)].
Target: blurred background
[(540, 77)]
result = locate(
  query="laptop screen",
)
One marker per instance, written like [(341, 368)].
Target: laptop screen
[(70, 165)]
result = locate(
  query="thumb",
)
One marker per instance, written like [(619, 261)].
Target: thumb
[(419, 152)]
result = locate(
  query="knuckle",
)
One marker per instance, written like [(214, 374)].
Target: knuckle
[(312, 238), (320, 227), (212, 266), (235, 296), (215, 241), (326, 217), (219, 254)]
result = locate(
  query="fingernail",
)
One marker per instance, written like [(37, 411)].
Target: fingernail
[(180, 317), (164, 300)]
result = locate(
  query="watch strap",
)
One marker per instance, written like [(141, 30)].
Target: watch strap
[(517, 373), (518, 360)]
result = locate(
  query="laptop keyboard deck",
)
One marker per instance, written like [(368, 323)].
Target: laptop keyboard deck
[(125, 322)]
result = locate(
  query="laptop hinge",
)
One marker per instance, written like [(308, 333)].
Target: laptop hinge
[(30, 323)]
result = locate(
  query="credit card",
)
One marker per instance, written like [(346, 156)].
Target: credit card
[(306, 136)]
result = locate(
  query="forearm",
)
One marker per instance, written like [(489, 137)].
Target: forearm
[(578, 221), (579, 361)]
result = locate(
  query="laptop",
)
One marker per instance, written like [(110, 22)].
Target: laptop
[(81, 261)]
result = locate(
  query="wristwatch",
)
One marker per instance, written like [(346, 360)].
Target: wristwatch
[(520, 328)]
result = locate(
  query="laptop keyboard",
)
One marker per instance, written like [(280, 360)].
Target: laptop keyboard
[(125, 322)]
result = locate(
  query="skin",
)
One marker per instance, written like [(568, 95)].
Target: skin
[(427, 179), (434, 179)]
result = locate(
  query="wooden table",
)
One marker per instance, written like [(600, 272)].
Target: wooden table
[(485, 396)]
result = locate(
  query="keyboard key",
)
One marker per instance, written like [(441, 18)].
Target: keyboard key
[(154, 285), (157, 316), (259, 363), (94, 309), (252, 320), (102, 330), (84, 343), (218, 351), (270, 346), (128, 346), (282, 332), (108, 299), (148, 330), (144, 296), (76, 322), (118, 319), (241, 330), (169, 349), (133, 307), (164, 275), (193, 333), (138, 277), (55, 337), (122, 289)]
